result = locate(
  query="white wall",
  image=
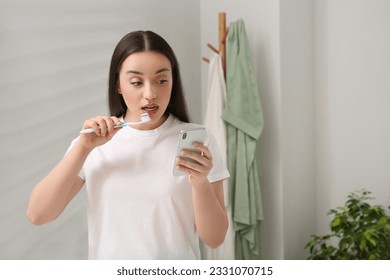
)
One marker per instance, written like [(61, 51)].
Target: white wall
[(54, 60), (352, 101), (297, 128)]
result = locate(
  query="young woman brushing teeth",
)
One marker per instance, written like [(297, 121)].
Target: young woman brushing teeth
[(136, 208)]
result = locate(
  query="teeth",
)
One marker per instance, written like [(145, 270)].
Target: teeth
[(149, 108)]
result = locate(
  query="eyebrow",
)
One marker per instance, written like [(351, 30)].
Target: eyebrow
[(140, 73)]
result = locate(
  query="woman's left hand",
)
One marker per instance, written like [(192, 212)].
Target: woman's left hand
[(198, 168)]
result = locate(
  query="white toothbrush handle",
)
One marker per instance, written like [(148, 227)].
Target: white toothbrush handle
[(87, 130), (90, 130)]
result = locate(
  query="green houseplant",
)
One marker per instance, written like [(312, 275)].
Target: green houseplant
[(360, 230)]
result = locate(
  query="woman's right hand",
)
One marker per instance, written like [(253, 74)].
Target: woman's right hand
[(103, 128)]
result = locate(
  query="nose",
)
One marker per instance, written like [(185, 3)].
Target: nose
[(149, 92)]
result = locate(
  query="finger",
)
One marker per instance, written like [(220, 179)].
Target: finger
[(180, 167), (205, 152), (116, 126), (109, 124), (93, 125), (194, 165), (184, 166), (194, 156), (201, 157), (117, 122), (104, 126)]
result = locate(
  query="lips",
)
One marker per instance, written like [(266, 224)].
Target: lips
[(150, 108)]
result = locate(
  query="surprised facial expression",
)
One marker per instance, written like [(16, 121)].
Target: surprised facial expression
[(145, 82)]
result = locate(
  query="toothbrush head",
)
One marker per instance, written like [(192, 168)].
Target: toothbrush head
[(145, 117)]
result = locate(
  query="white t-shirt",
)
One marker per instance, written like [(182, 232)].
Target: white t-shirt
[(137, 209)]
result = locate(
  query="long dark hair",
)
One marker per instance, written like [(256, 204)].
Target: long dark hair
[(140, 41)]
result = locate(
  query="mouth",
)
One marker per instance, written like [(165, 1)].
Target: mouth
[(150, 108)]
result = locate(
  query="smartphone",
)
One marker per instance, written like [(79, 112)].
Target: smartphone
[(186, 138)]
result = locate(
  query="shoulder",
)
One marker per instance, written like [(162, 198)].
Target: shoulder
[(179, 125)]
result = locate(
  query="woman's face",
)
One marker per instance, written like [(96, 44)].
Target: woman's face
[(145, 82)]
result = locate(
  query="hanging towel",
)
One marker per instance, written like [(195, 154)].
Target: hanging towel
[(244, 123), (216, 99)]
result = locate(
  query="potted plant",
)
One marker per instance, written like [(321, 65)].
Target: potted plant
[(360, 230)]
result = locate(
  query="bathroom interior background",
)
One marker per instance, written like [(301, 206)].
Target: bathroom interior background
[(322, 69)]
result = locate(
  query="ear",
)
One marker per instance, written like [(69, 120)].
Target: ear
[(119, 90)]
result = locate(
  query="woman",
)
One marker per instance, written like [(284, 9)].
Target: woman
[(136, 208)]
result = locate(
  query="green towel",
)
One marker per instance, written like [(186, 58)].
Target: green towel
[(244, 123)]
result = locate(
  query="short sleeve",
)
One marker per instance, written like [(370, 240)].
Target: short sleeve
[(219, 170)]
